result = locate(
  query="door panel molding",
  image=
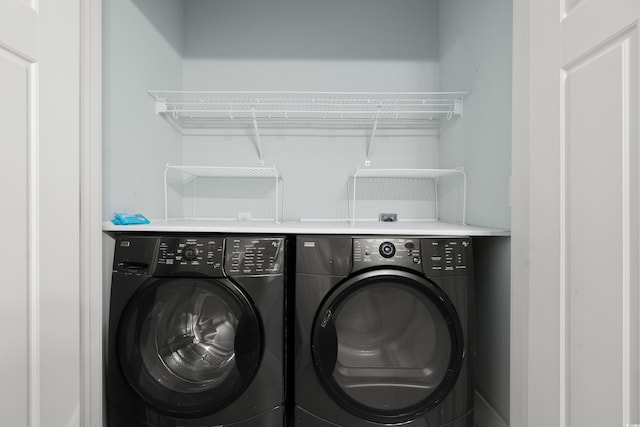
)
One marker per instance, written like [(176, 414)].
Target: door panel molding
[(569, 6), (18, 29), (20, 258), (34, 254), (595, 232), (580, 35)]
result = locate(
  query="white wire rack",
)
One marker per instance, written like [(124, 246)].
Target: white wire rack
[(193, 173), (192, 107), (432, 174), (363, 110)]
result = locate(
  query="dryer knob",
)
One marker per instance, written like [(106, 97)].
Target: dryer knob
[(387, 250)]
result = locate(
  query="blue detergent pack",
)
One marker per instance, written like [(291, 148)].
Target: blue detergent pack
[(125, 219)]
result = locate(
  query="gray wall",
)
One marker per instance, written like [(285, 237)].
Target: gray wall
[(359, 45), (475, 55), (492, 259), (142, 50), (307, 45)]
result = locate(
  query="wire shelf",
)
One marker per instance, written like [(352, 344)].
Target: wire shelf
[(226, 172), (194, 112), (193, 173), (191, 109), (430, 174), (405, 173)]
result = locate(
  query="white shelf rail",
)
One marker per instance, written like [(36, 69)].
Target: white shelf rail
[(191, 110), (431, 174), (192, 173)]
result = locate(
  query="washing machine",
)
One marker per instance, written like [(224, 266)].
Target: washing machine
[(196, 332), (383, 331)]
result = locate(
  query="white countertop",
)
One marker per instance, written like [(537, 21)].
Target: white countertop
[(412, 228)]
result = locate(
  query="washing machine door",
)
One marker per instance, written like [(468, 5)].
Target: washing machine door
[(387, 345), (189, 346)]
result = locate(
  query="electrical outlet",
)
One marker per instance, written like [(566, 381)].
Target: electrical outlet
[(244, 216), (388, 217)]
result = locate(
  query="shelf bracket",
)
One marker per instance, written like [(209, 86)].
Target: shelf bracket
[(161, 106), (367, 161), (255, 127), (457, 107), (170, 115)]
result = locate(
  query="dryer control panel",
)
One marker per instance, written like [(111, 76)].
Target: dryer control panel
[(189, 255), (446, 257), (401, 252)]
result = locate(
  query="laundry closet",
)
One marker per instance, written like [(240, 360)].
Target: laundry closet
[(284, 112)]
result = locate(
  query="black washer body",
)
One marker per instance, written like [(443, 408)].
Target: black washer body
[(196, 331), (383, 331)]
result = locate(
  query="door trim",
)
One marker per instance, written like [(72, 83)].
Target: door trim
[(520, 238), (91, 293)]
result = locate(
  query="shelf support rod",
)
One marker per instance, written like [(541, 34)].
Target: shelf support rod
[(255, 127), (367, 161), (435, 197), (166, 203), (193, 207), (353, 204), (277, 209), (464, 196)]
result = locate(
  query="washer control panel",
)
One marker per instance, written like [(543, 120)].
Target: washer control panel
[(195, 255), (254, 256), (403, 252)]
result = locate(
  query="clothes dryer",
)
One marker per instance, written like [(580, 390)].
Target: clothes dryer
[(384, 331), (196, 332)]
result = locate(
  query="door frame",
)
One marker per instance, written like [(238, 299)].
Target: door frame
[(92, 341), (91, 268), (520, 238)]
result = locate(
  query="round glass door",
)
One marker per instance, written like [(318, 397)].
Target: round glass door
[(189, 347), (387, 345)]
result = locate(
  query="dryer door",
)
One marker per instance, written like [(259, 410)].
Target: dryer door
[(387, 345), (189, 346)]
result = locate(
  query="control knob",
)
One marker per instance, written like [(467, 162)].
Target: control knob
[(190, 252), (387, 250)]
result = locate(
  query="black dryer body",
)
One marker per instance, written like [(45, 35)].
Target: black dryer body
[(384, 331)]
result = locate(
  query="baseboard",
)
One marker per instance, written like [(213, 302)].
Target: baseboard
[(485, 415)]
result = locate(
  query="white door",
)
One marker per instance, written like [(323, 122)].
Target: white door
[(39, 122), (576, 218), (18, 54)]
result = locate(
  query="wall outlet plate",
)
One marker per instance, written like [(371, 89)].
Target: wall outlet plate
[(244, 216), (388, 217)]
